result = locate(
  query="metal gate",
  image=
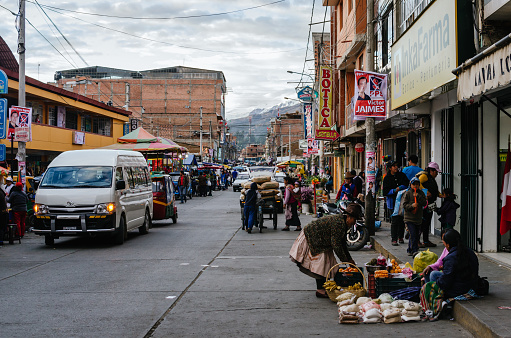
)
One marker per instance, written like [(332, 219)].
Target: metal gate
[(469, 174), (447, 147)]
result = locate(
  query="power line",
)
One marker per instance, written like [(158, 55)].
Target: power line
[(161, 18), (308, 41)]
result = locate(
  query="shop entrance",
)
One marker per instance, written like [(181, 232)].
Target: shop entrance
[(401, 151)]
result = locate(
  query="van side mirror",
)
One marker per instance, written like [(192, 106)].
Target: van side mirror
[(120, 185)]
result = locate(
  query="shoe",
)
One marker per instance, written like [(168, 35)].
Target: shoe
[(298, 229), (410, 254), (285, 229), (401, 241), (415, 254), (394, 243), (429, 245), (181, 202), (421, 245), (407, 235), (264, 227), (249, 230), (321, 295)]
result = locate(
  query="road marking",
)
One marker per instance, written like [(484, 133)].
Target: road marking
[(170, 297), (184, 264)]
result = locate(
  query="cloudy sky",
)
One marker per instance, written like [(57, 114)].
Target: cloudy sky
[(253, 42)]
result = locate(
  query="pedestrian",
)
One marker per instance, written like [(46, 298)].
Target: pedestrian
[(8, 185), (19, 200), (412, 168), (313, 250), (329, 182), (413, 202), (348, 190), (291, 205), (250, 208), (213, 181), (203, 184), (4, 216), (358, 181), (428, 181), (448, 209), (234, 175), (182, 184), (297, 194), (209, 182), (393, 182)]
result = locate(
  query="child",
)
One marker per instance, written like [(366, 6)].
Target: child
[(447, 211), (413, 202)]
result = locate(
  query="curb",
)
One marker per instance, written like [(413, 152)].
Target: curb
[(461, 312)]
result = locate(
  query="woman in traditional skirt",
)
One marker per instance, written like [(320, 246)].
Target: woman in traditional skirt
[(313, 250), (291, 205)]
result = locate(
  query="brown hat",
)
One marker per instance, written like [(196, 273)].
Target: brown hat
[(348, 175)]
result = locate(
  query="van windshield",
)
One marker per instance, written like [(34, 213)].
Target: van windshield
[(77, 177)]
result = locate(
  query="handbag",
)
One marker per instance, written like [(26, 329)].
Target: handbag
[(483, 286), (209, 183)]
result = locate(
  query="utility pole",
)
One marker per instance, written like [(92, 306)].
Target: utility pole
[(210, 144), (22, 155), (370, 132), (281, 141), (200, 146), (289, 149)]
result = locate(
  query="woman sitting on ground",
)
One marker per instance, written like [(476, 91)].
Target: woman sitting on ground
[(460, 267)]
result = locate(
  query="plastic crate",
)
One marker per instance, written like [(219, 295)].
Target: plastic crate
[(386, 285), (371, 285), (345, 279)]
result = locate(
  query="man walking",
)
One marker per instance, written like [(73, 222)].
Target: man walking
[(392, 184), (412, 168), (182, 184)]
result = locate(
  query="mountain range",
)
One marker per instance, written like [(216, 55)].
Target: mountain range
[(252, 129)]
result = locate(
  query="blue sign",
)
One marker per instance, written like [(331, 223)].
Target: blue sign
[(305, 94), (4, 82), (2, 152), (4, 125), (125, 129)]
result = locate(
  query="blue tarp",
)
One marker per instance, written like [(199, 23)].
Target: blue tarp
[(190, 160)]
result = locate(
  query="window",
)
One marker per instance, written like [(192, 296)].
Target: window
[(77, 177), (102, 126), (118, 174), (52, 116), (86, 123), (71, 120)]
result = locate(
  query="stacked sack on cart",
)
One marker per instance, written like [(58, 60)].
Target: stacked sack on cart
[(267, 188), (384, 309)]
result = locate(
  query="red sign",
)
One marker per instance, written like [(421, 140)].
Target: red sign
[(359, 147), (371, 96), (325, 101), (328, 135)]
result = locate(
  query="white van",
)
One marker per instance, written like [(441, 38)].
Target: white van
[(93, 192)]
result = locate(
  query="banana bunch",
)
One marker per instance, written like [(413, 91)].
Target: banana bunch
[(330, 285), (356, 286)]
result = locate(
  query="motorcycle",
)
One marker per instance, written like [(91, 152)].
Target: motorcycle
[(357, 235)]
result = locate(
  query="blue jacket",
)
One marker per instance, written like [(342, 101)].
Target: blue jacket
[(447, 211), (390, 183), (411, 171), (453, 282)]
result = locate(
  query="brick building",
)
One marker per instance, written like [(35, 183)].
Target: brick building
[(285, 132), (253, 152), (167, 101)]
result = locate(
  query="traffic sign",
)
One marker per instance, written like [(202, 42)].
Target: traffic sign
[(3, 118), (2, 152), (328, 135), (4, 82)]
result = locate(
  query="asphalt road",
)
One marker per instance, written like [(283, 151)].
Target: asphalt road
[(203, 276)]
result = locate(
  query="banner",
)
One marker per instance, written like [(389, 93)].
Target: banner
[(20, 124), (312, 146), (307, 119), (61, 117), (325, 98), (370, 171), (3, 118), (370, 98)]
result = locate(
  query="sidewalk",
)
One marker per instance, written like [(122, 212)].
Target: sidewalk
[(481, 317)]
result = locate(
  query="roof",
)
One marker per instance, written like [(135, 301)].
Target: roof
[(92, 157), (62, 92), (7, 59)]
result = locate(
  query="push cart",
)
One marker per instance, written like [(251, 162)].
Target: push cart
[(266, 205)]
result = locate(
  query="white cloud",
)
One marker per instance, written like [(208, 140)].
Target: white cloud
[(244, 45)]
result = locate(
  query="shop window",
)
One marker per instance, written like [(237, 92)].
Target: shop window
[(71, 120), (86, 123), (52, 116), (102, 126)]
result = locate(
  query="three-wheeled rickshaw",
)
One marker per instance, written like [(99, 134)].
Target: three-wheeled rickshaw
[(164, 205)]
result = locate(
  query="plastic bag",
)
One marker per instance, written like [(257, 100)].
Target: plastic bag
[(386, 298), (398, 208), (385, 306), (392, 312), (352, 308), (369, 305), (423, 259), (346, 296), (372, 313), (363, 300)]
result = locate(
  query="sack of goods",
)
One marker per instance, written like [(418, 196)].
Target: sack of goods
[(270, 192), (346, 317), (246, 186), (243, 191), (372, 316), (411, 312), (270, 185), (392, 315), (261, 179)]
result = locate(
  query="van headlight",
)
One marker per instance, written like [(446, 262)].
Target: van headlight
[(40, 209), (105, 208)]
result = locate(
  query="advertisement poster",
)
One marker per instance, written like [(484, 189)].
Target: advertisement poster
[(312, 146), (307, 119), (3, 118), (20, 124), (23, 172), (61, 117), (370, 171), (370, 98)]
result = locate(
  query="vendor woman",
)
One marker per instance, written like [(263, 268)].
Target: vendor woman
[(313, 250)]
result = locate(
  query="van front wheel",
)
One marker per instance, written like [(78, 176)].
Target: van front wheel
[(121, 233), (144, 229)]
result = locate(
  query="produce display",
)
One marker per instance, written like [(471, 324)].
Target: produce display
[(330, 285), (348, 269), (395, 267), (381, 274), (355, 287)]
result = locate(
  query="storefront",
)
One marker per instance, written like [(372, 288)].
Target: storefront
[(485, 90)]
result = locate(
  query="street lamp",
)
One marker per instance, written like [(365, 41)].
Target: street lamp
[(310, 76)]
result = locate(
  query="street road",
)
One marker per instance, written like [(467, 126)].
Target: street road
[(203, 276)]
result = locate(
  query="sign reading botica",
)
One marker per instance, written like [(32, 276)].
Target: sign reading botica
[(325, 121)]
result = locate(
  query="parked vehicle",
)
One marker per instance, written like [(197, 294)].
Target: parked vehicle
[(358, 234), (94, 192), (163, 197), (242, 178)]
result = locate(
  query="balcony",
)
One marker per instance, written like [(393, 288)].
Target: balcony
[(497, 9)]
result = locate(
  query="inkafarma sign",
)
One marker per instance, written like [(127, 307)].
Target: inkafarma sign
[(422, 59)]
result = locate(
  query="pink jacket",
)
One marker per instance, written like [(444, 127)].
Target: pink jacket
[(439, 263)]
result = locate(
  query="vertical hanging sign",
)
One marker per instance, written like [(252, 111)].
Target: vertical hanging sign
[(3, 118), (307, 119), (325, 118), (4, 82)]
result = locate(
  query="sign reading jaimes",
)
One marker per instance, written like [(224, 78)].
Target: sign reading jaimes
[(422, 59), (325, 98)]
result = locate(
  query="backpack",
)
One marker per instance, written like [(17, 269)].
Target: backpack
[(398, 207)]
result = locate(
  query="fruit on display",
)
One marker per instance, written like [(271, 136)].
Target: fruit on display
[(381, 274), (355, 287), (349, 269), (372, 262), (395, 267), (330, 285)]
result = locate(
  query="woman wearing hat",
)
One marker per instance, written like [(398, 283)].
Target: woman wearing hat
[(348, 190), (313, 250), (19, 200), (428, 181)]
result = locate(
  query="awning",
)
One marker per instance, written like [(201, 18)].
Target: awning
[(190, 160)]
